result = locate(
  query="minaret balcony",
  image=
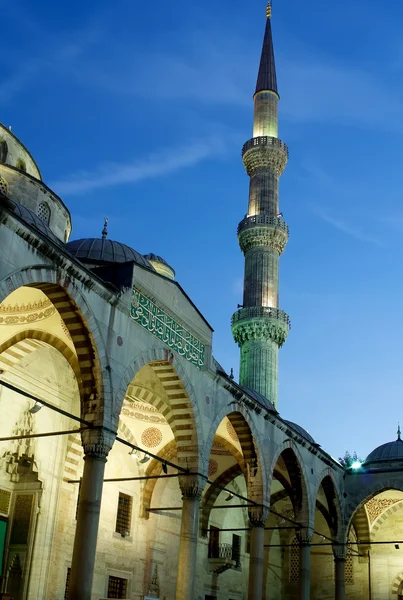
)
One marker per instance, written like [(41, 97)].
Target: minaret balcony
[(263, 231), (260, 323), (265, 152)]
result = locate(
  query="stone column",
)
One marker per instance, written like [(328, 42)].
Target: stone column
[(304, 537), (257, 519), (192, 489), (97, 444), (340, 563)]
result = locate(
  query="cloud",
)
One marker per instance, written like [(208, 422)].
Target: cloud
[(347, 228), (158, 164)]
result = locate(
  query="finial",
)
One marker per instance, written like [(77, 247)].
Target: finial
[(105, 229), (398, 431), (232, 374), (268, 10)]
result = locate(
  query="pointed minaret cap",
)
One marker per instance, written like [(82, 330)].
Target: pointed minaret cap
[(267, 79), (398, 432), (105, 229)]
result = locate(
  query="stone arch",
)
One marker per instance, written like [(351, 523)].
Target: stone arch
[(384, 516), (212, 494), (397, 584), (29, 340), (333, 515), (180, 407), (360, 525), (365, 493), (300, 497), (83, 329), (248, 437), (168, 452)]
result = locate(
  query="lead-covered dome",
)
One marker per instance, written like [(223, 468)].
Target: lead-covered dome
[(303, 432), (259, 398), (32, 219), (98, 251), (160, 265), (387, 452)]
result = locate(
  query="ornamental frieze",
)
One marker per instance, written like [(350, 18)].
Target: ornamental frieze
[(16, 319), (260, 329), (155, 320)]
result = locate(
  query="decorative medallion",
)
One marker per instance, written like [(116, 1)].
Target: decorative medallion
[(212, 467), (231, 431), (151, 437), (165, 328)]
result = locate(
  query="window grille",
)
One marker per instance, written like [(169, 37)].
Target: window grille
[(66, 590), (117, 587), (294, 561), (43, 212), (124, 514), (349, 566)]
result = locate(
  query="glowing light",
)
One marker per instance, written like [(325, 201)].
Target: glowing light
[(356, 464)]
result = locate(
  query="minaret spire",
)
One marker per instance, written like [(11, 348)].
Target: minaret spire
[(260, 328), (267, 79)]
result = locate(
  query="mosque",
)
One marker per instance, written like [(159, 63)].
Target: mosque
[(132, 466)]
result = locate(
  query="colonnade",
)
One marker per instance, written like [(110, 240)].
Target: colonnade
[(97, 444)]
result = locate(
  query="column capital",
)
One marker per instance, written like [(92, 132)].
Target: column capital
[(339, 551), (97, 442), (258, 516), (192, 486), (304, 536)]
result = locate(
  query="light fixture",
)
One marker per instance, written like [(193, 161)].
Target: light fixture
[(229, 497), (356, 464), (144, 460), (165, 468), (36, 408), (133, 454)]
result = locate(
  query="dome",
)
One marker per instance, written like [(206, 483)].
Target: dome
[(301, 431), (32, 219), (160, 265), (102, 250), (387, 452), (259, 398)]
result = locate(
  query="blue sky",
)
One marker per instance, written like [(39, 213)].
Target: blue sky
[(138, 111)]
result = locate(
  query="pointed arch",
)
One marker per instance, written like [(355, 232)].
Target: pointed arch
[(333, 513), (83, 328), (168, 452), (179, 406), (249, 439), (365, 493)]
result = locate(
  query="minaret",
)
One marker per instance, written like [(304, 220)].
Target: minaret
[(260, 328)]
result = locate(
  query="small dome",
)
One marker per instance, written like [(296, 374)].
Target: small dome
[(160, 265), (387, 452), (102, 250), (259, 398), (301, 431), (32, 219)]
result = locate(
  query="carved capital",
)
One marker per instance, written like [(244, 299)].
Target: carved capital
[(304, 536), (97, 442), (266, 152), (267, 236), (340, 552), (266, 327), (192, 486), (258, 516)]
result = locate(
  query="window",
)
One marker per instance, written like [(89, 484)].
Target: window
[(66, 589), (117, 587), (236, 549), (214, 542), (124, 515), (43, 212), (294, 561), (3, 151), (21, 164)]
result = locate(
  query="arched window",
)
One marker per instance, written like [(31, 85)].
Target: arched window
[(43, 212), (3, 151), (294, 560), (21, 164)]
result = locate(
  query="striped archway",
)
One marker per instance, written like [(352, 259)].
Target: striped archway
[(23, 343), (177, 403), (397, 585), (79, 320), (168, 452)]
